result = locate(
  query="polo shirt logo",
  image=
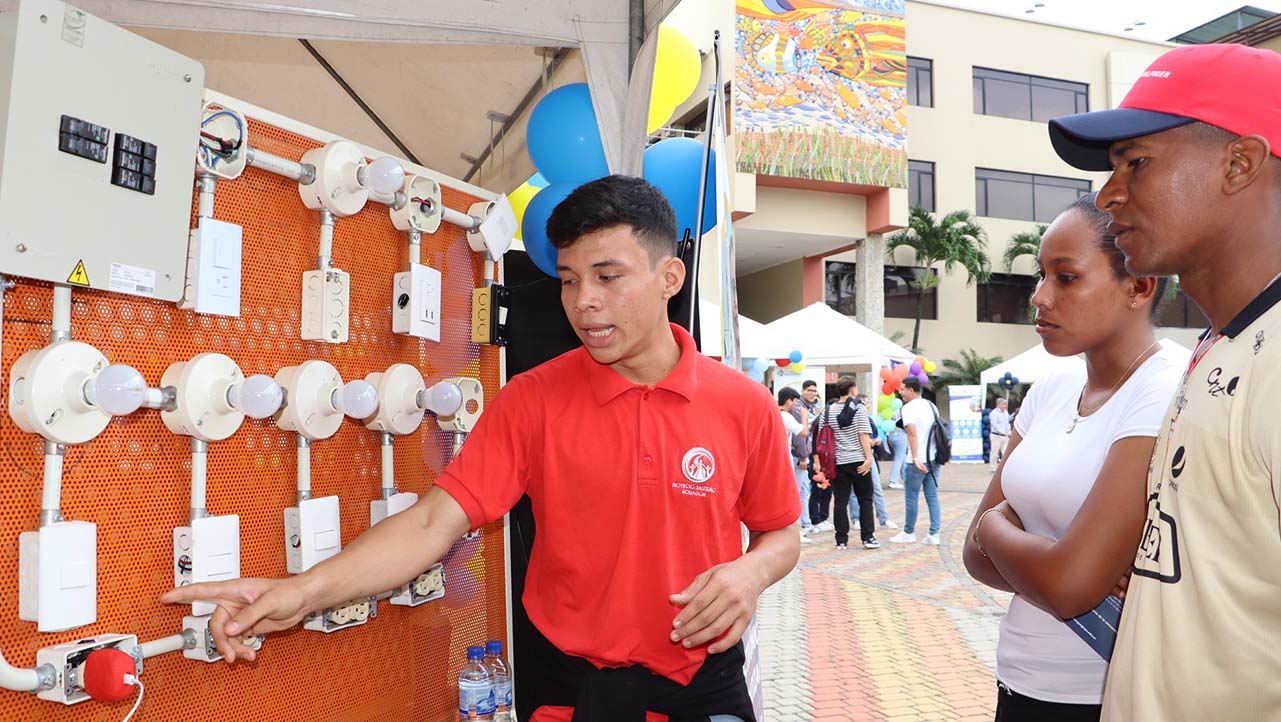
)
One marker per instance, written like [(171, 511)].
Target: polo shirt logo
[(698, 465), (1217, 388)]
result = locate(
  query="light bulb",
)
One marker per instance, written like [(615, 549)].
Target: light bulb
[(359, 399), (385, 175), (119, 389), (258, 396), (444, 398)]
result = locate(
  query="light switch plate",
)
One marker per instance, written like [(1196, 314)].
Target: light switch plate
[(58, 575), (313, 533)]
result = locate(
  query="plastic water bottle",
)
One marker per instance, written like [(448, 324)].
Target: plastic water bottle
[(475, 688), (501, 675)]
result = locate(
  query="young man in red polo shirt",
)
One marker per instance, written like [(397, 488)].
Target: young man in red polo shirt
[(637, 577)]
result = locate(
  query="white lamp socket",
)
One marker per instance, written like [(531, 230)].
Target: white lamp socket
[(313, 405), (337, 187), (58, 575), (47, 392), (206, 551), (202, 409), (313, 533), (398, 410), (469, 413)]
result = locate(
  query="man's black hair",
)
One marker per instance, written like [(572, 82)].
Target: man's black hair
[(913, 383), (809, 384), (844, 384), (787, 393), (616, 200)]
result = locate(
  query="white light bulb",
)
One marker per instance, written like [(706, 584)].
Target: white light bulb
[(359, 399), (385, 175), (444, 398), (119, 389), (258, 396)]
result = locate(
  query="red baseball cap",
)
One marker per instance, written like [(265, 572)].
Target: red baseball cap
[(1234, 87)]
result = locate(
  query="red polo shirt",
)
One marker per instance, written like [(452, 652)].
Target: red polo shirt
[(636, 490)]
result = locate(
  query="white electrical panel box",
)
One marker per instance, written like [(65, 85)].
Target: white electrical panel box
[(58, 575), (102, 122), (313, 533), (326, 305), (213, 268), (206, 551), (380, 509), (68, 662), (415, 303)]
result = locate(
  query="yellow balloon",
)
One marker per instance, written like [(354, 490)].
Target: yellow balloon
[(658, 116), (797, 367), (520, 199), (929, 367), (677, 67)]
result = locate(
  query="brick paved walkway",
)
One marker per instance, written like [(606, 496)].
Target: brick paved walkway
[(896, 634)]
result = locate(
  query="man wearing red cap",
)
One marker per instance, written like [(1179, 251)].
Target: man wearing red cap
[(1196, 191)]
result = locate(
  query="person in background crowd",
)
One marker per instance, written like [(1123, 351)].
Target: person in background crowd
[(898, 444), (919, 417), (820, 491), (853, 473), (878, 496), (797, 430), (999, 431)]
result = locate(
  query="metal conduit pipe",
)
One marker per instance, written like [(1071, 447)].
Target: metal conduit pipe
[(199, 478), (304, 173), (388, 464), (304, 468), (51, 496)]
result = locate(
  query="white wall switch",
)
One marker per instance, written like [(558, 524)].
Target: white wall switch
[(206, 551), (58, 575), (326, 305), (380, 509), (213, 268), (415, 302), (312, 533)]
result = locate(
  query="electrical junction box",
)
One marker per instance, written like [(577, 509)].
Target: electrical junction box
[(213, 269), (205, 651), (380, 509), (101, 122), (313, 533), (58, 575), (206, 551), (326, 305), (351, 614), (68, 662), (497, 228), (415, 303), (429, 586)]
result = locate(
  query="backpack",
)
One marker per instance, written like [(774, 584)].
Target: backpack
[(825, 445), (941, 438)]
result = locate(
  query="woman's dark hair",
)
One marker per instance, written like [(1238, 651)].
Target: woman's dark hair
[(616, 200), (1099, 221)]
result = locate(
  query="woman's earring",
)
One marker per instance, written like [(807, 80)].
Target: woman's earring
[(1134, 304)]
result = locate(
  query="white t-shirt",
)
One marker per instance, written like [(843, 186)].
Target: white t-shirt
[(790, 425), (919, 413), (1046, 480)]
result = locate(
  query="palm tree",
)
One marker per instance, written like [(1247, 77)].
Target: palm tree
[(1027, 243), (963, 372), (956, 239)]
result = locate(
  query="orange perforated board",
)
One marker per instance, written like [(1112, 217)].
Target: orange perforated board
[(134, 479)]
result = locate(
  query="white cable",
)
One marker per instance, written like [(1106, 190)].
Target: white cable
[(130, 679)]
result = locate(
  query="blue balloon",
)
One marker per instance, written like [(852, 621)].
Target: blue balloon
[(759, 365), (538, 181), (563, 139), (673, 166), (795, 357), (533, 227)]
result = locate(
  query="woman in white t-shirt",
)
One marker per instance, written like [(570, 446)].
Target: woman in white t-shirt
[(1061, 520)]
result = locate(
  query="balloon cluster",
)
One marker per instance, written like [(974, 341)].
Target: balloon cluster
[(1008, 381), (887, 403), (756, 367), (565, 146)]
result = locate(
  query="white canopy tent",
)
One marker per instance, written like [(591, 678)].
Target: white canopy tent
[(754, 339), (829, 338), (1036, 363)]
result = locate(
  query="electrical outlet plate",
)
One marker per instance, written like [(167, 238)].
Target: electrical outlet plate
[(326, 305), (202, 410), (205, 651), (46, 392), (421, 211), (343, 616), (206, 551), (429, 586), (398, 389), (213, 268), (497, 229), (68, 661), (309, 391), (415, 302), (473, 405), (58, 575), (313, 533), (380, 509)]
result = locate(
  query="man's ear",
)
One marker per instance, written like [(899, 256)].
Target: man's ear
[(673, 271), (1248, 155)]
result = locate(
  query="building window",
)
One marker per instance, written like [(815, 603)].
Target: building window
[(900, 297), (920, 82), (920, 184), (1027, 97), (1006, 298), (1024, 196), (1224, 25), (1179, 311)]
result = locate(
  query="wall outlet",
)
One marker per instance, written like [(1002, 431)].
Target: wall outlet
[(415, 302), (313, 533), (68, 661), (351, 614), (429, 585), (58, 575), (213, 268), (206, 551), (205, 651), (326, 305)]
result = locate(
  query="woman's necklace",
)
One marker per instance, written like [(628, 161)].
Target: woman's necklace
[(1076, 419)]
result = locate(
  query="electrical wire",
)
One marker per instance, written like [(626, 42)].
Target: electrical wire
[(137, 682), (225, 148)]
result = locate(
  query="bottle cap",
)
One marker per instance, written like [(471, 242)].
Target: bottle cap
[(476, 652), (493, 646)]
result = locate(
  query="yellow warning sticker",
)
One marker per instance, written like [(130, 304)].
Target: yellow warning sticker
[(78, 276)]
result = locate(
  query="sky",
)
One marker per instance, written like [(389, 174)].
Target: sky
[(1160, 19)]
